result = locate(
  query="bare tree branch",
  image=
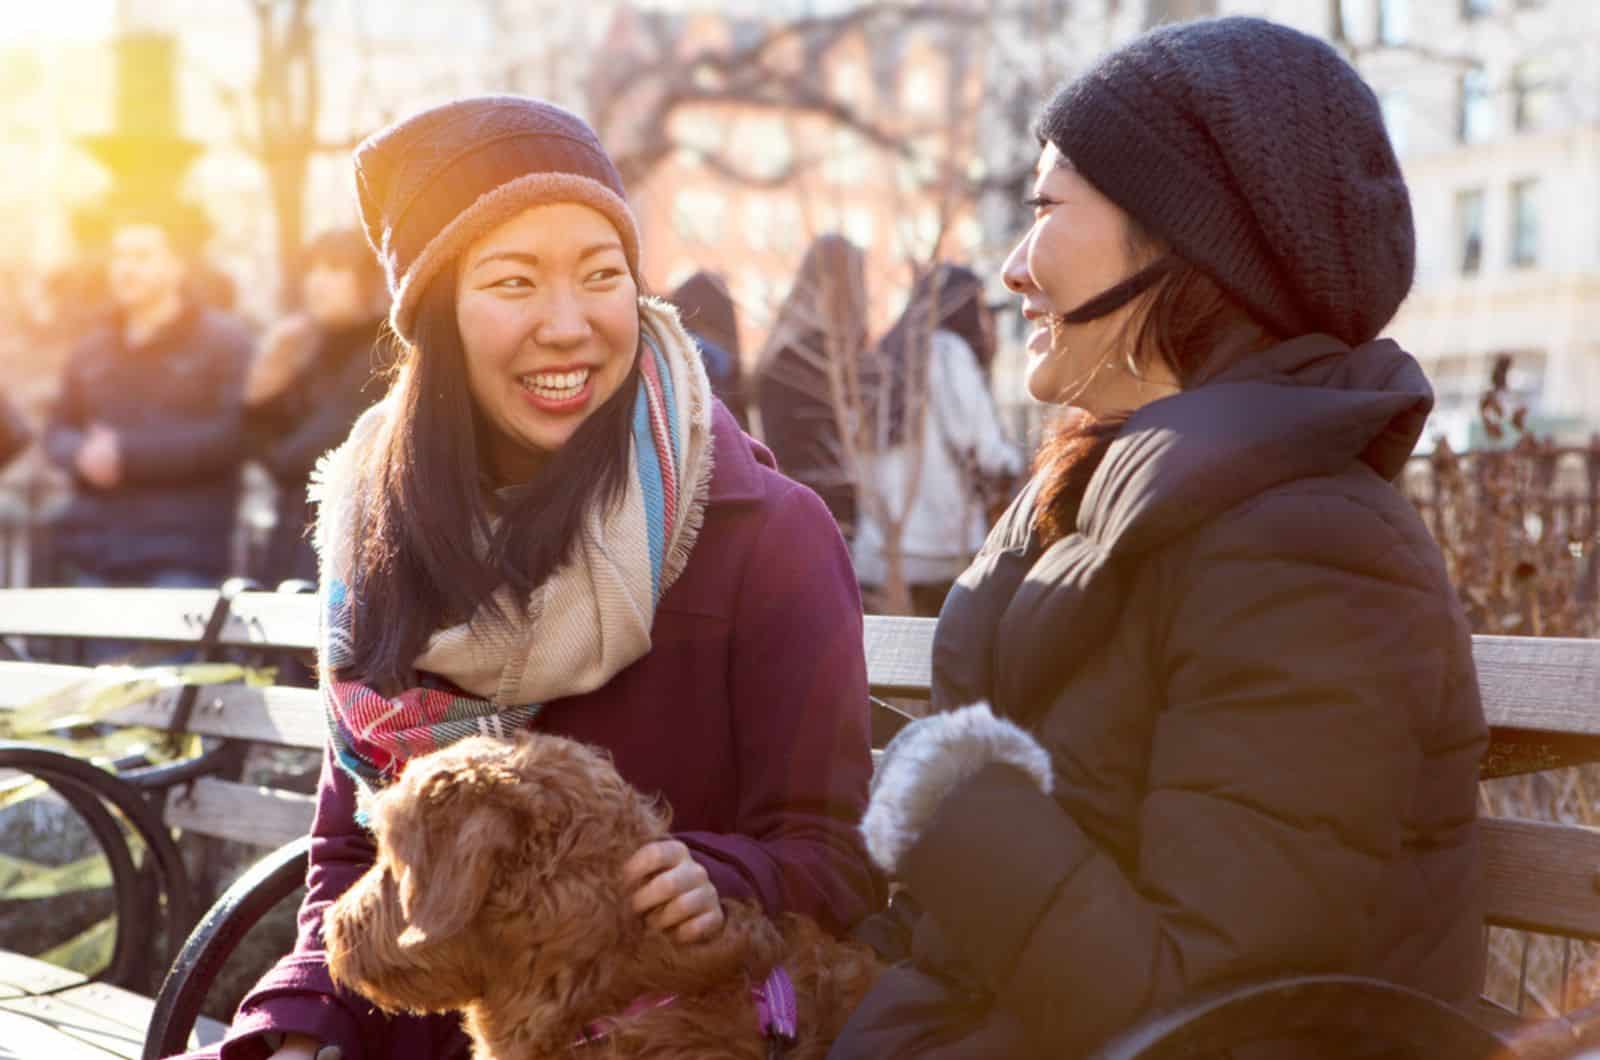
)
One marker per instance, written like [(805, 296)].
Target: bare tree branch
[(752, 75)]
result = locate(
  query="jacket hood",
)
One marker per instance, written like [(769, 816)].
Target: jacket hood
[(1308, 407), (1305, 408)]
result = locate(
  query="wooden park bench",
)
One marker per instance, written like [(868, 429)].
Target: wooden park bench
[(1541, 696), (156, 902)]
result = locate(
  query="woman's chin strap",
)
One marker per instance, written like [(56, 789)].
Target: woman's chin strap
[(1114, 298)]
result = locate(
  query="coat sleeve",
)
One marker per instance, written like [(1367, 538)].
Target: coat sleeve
[(298, 995), (799, 687), (1294, 640), (180, 450)]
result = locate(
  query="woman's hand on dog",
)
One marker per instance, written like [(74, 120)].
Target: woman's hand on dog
[(672, 891)]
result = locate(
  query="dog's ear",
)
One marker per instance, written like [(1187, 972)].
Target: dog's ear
[(443, 856)]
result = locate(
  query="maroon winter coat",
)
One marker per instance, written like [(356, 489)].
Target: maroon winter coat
[(749, 715)]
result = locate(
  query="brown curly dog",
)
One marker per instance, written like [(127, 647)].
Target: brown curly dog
[(497, 891)]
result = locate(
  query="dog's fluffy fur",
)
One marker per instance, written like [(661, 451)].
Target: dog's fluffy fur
[(497, 891), (927, 760)]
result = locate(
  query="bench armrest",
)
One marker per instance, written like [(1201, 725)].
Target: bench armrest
[(1215, 1023), (83, 783), (177, 1007)]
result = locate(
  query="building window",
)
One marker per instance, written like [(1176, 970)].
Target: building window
[(847, 162), (699, 132), (1355, 17), (1534, 93), (1475, 123), (850, 83), (758, 215), (1525, 223), (1161, 11), (1469, 230), (1476, 8), (681, 270), (1394, 21), (764, 147), (788, 226), (697, 215), (860, 226), (1396, 117), (1459, 382), (919, 91), (969, 237)]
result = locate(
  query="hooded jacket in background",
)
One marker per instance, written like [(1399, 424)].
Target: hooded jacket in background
[(708, 314), (1256, 688)]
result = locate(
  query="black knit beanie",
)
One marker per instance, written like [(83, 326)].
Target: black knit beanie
[(431, 184), (1259, 155)]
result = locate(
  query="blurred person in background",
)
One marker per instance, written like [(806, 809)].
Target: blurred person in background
[(309, 382), (821, 326), (940, 456), (710, 318), (148, 423)]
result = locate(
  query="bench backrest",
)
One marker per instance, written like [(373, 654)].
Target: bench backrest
[(1541, 696)]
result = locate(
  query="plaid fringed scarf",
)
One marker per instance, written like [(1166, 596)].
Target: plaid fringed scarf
[(587, 622)]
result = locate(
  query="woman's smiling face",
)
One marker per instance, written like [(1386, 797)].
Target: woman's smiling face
[(1078, 247), (549, 320)]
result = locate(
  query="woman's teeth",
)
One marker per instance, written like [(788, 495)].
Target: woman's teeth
[(556, 385)]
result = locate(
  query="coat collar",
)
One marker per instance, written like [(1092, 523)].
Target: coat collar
[(739, 462), (1308, 407)]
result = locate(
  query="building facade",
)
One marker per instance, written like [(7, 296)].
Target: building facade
[(748, 185)]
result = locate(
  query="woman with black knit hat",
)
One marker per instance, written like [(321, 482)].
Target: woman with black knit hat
[(549, 522), (1206, 703)]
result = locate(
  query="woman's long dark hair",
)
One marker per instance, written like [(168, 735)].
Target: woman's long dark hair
[(434, 541), (1190, 324), (946, 298)]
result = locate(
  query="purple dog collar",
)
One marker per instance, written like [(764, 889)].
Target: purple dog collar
[(777, 1011), (776, 1006)]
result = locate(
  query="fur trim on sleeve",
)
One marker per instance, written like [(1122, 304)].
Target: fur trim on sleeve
[(928, 760)]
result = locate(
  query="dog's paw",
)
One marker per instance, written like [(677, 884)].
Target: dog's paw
[(929, 759)]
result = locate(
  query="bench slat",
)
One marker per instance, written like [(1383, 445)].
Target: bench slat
[(1542, 877), (899, 656), (21, 682), (1546, 683), (251, 814), (102, 1019), (286, 717), (1540, 694), (272, 620), (131, 614), (19, 973), (25, 1036)]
